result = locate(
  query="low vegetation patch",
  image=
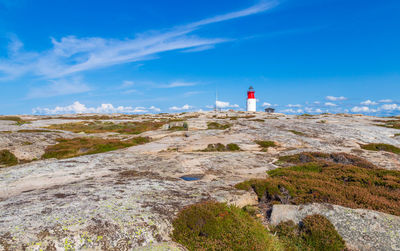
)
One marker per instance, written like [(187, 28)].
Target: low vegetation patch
[(395, 124), (397, 135), (222, 148), (33, 130), (68, 148), (218, 126), (7, 158), (101, 127), (258, 120), (216, 226), (381, 147), (16, 119), (265, 144), (315, 232), (297, 133), (184, 127), (338, 179), (325, 159)]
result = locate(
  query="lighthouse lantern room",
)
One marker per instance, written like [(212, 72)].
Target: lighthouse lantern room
[(251, 100)]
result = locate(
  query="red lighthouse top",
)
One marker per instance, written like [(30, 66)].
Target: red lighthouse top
[(250, 93)]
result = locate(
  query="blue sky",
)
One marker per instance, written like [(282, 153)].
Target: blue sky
[(301, 56)]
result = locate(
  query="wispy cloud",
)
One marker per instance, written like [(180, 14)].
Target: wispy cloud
[(178, 84), (78, 107), (71, 55), (333, 98), (385, 101), (58, 88)]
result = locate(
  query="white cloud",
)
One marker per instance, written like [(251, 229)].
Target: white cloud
[(290, 105), (185, 107), (265, 104), (77, 107), (71, 55), (312, 110), (293, 111), (362, 109), (369, 102), (332, 98), (153, 108), (222, 104), (59, 88), (330, 104), (390, 107), (385, 101)]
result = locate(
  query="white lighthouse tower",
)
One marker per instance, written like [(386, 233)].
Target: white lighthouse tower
[(251, 100)]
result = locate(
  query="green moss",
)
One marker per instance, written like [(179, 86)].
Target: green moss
[(217, 126), (232, 147), (297, 132), (339, 180), (7, 158), (314, 233), (68, 148), (216, 226), (221, 148), (381, 147), (397, 135)]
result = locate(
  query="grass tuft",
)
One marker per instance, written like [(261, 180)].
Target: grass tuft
[(216, 226), (217, 126), (7, 158), (315, 232), (320, 179), (68, 148), (381, 147), (265, 144), (232, 147)]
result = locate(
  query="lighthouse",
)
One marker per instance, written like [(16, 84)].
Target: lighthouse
[(251, 100)]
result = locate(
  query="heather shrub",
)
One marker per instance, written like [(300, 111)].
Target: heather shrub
[(216, 226), (315, 232)]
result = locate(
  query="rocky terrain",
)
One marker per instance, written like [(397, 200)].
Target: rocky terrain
[(127, 198)]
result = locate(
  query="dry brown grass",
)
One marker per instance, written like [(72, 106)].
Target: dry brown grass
[(338, 179), (68, 148)]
